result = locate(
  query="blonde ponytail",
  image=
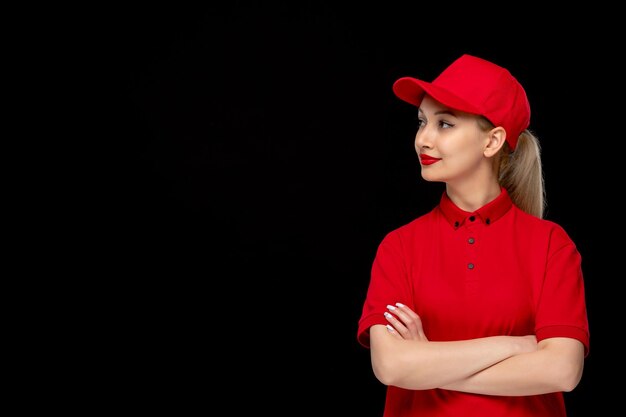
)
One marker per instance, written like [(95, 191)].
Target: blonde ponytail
[(520, 173)]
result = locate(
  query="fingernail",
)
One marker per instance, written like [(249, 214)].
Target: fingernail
[(390, 328), (400, 304), (388, 315), (390, 307)]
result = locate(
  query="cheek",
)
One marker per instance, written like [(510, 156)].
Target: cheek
[(461, 148), (462, 157)]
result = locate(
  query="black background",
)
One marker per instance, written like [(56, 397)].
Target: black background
[(261, 156)]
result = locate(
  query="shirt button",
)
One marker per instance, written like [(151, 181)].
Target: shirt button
[(472, 218), (456, 224), (470, 240), (487, 221), (470, 266)]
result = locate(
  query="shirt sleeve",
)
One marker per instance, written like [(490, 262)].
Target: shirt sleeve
[(561, 310), (388, 285)]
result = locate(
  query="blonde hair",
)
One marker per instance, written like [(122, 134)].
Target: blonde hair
[(520, 172)]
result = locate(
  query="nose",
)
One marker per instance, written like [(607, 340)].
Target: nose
[(423, 139)]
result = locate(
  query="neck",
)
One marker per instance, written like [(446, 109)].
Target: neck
[(471, 197)]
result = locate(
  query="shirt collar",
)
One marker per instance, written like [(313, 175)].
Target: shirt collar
[(488, 214)]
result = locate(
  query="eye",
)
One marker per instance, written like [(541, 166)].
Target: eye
[(420, 123), (445, 125)]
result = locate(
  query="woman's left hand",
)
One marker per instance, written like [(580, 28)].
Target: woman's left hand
[(404, 323)]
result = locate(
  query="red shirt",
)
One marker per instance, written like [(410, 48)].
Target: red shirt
[(494, 271)]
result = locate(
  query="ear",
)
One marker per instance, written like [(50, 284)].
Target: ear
[(495, 140)]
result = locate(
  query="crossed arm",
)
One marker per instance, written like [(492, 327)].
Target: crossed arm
[(403, 356)]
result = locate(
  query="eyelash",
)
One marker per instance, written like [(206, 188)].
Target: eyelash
[(442, 124)]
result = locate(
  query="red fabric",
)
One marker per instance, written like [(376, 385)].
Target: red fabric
[(526, 279)]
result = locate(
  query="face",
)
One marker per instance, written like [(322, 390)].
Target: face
[(449, 143)]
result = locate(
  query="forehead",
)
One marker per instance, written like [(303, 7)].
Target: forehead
[(433, 107), (429, 105)]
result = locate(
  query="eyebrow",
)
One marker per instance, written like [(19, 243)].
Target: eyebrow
[(437, 113)]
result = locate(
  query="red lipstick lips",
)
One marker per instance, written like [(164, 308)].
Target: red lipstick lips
[(427, 159)]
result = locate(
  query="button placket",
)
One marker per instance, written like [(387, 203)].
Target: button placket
[(471, 240), (471, 229)]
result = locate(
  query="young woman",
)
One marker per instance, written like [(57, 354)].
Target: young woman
[(476, 308)]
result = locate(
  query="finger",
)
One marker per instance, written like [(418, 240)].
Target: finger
[(396, 328), (404, 314), (405, 309), (399, 327), (393, 331), (410, 319), (393, 320)]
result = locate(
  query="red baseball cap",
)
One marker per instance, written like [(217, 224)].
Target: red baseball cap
[(476, 86)]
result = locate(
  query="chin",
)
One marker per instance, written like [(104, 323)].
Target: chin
[(429, 177)]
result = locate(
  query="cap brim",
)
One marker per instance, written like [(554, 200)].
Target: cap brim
[(412, 91)]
